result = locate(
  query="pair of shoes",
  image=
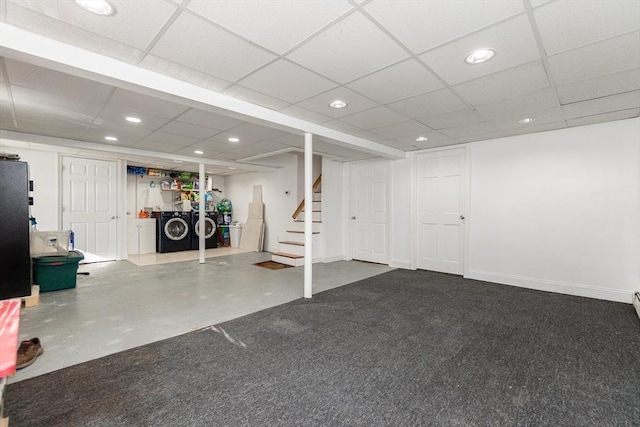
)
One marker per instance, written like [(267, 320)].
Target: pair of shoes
[(28, 351)]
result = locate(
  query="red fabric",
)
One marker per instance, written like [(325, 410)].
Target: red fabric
[(9, 320)]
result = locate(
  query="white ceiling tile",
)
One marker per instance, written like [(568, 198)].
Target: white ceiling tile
[(409, 128), (182, 72), (433, 138), (355, 103), (374, 118), (349, 49), (276, 25), (163, 147), (245, 139), (255, 131), (290, 140), (57, 129), (127, 136), (408, 78), (370, 136), (132, 24), (190, 130), (564, 26), (606, 104), (285, 80), (144, 104), (211, 50), (535, 128), (429, 104), (207, 119), (519, 47), (475, 129), (549, 115), (453, 119), (598, 59), (522, 105), (342, 126), (48, 107), (606, 117), (115, 116), (600, 86), (209, 146), (189, 151), (178, 141), (504, 84), (255, 97), (422, 25), (267, 147), (304, 114)]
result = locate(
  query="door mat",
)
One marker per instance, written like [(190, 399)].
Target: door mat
[(272, 265)]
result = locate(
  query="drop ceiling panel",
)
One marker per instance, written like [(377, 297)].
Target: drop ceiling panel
[(252, 130), (422, 25), (606, 117), (178, 141), (343, 52), (535, 128), (285, 80), (374, 118), (30, 103), (453, 119), (606, 104), (355, 103), (190, 151), (433, 138), (182, 72), (164, 147), (207, 119), (523, 105), (504, 84), (254, 97), (304, 114), (606, 57), (185, 129), (245, 140), (344, 127), (519, 48), (563, 26), (115, 116), (549, 115), (429, 104), (59, 130), (598, 87), (211, 49), (144, 104), (127, 136), (408, 78), (473, 130), (278, 26), (209, 146), (408, 128)]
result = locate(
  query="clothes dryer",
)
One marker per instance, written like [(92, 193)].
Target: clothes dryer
[(174, 232), (210, 227)]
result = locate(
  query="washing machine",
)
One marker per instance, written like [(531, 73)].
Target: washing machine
[(210, 227), (174, 232)]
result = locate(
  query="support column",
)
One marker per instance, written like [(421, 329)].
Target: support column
[(202, 223), (308, 215)]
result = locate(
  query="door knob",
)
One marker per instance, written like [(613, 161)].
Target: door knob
[(461, 216)]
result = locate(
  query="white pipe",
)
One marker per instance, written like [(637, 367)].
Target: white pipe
[(308, 215), (202, 214)]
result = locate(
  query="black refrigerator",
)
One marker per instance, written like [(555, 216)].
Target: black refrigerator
[(15, 258)]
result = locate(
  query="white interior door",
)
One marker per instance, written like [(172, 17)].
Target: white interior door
[(89, 205), (369, 208), (441, 210)]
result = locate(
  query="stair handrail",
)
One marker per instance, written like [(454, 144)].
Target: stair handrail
[(315, 186)]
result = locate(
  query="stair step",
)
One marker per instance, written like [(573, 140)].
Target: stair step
[(302, 231), (289, 242), (286, 255)]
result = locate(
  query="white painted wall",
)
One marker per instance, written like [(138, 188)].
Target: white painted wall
[(335, 214), (44, 167), (140, 194), (400, 213), (278, 206), (558, 210)]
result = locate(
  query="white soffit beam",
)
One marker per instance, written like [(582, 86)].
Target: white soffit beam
[(19, 44), (81, 145)]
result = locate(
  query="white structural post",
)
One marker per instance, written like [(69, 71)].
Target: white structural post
[(308, 214), (201, 213)]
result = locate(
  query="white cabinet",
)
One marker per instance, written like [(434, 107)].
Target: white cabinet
[(141, 236)]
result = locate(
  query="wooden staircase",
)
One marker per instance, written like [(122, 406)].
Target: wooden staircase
[(291, 250)]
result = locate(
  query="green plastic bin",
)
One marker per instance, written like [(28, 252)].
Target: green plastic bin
[(53, 273)]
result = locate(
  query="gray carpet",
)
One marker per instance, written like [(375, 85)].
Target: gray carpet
[(399, 349)]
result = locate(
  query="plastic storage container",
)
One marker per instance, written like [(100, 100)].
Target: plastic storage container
[(235, 231), (50, 243), (53, 273)]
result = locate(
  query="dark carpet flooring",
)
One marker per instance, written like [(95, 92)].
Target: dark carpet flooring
[(400, 349)]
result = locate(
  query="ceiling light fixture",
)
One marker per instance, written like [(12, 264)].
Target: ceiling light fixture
[(199, 152), (479, 56), (421, 138), (338, 104), (110, 138), (99, 7), (234, 139), (232, 168), (526, 120), (132, 119)]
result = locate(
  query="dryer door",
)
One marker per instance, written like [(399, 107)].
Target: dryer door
[(209, 228), (176, 229)]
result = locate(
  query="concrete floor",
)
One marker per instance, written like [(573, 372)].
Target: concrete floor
[(120, 305)]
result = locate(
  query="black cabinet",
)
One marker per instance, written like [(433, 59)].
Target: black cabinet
[(15, 259)]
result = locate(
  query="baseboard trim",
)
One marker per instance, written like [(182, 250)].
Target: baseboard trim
[(576, 289), (400, 264), (636, 302)]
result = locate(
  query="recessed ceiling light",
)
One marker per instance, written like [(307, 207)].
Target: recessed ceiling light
[(199, 152), (110, 138), (526, 120), (99, 7), (338, 104), (132, 119), (479, 56), (232, 168), (421, 138), (234, 139)]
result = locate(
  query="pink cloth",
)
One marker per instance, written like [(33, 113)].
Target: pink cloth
[(9, 320)]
